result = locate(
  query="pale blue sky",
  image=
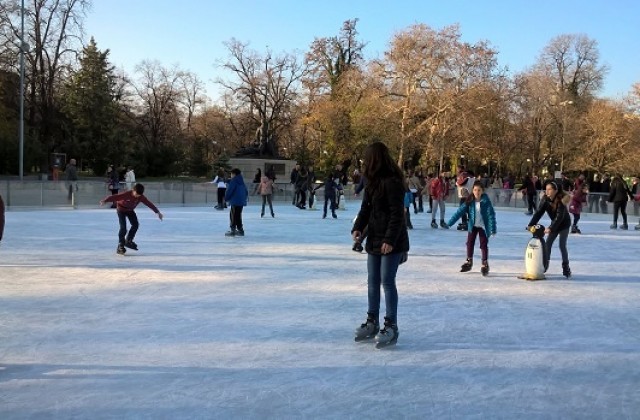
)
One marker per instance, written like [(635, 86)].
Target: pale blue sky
[(191, 33)]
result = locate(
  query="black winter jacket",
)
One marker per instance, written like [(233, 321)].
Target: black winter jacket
[(619, 192), (557, 211), (384, 217)]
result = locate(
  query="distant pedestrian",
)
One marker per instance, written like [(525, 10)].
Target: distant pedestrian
[(71, 174), (113, 182), (126, 204)]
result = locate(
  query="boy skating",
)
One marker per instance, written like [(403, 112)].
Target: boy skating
[(126, 203)]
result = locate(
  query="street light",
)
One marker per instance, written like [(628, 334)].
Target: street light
[(563, 104), (23, 48)]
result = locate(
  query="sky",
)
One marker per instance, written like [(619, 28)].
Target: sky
[(192, 33), (196, 325)]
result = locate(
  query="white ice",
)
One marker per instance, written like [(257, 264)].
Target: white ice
[(197, 325)]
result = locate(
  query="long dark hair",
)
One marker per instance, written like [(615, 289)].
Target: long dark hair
[(379, 165)]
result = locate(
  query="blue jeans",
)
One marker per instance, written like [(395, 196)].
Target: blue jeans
[(122, 219), (382, 270), (563, 235)]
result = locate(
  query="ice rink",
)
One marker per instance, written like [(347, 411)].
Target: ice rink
[(197, 325)]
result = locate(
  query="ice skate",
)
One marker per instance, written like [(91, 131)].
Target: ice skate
[(121, 250), (240, 232), (574, 229), (231, 233), (467, 265), (637, 227), (462, 226), (335, 216), (624, 226), (444, 224), (368, 329), (566, 271), (434, 224), (613, 226), (485, 268), (131, 245), (387, 336)]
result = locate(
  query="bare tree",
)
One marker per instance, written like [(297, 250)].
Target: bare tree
[(268, 85)]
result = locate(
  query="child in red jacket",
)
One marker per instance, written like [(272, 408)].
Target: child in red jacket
[(126, 203)]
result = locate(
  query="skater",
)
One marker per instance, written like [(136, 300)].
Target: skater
[(529, 192), (578, 200), (265, 189), (619, 195), (440, 192), (481, 218), (221, 182), (126, 203), (554, 203), (236, 196), (330, 190), (1, 218), (409, 197), (387, 242), (130, 178), (464, 184)]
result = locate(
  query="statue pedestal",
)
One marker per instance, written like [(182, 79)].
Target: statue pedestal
[(249, 165)]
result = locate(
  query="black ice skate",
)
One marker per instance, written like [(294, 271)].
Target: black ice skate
[(444, 224), (566, 271), (121, 250), (240, 232), (231, 233), (462, 226), (624, 226), (368, 329), (434, 224), (131, 245), (485, 268), (637, 227), (467, 265), (575, 229), (387, 336)]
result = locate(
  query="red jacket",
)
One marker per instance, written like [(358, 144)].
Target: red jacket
[(439, 189), (127, 202)]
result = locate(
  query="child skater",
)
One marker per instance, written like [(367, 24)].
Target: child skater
[(126, 203), (330, 189), (481, 222), (578, 200), (555, 204), (236, 195)]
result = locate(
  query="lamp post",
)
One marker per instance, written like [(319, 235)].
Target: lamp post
[(23, 46), (563, 104)]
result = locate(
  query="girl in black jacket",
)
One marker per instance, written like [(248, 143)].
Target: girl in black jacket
[(382, 213), (554, 204)]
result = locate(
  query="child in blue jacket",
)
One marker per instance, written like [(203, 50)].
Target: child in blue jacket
[(236, 195), (482, 222)]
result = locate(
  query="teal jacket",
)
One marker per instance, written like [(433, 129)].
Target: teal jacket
[(487, 213)]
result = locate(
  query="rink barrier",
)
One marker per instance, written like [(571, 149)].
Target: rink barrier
[(54, 194)]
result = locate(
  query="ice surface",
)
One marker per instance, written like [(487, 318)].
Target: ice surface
[(197, 325)]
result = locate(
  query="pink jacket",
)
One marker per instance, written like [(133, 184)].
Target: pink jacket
[(579, 197), (266, 186)]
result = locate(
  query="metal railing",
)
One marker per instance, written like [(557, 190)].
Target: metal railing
[(87, 194)]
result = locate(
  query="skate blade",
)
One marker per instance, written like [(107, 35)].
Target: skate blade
[(361, 339), (384, 345)]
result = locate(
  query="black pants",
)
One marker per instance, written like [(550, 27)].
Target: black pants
[(221, 193), (484, 242), (235, 217), (620, 206), (329, 199), (531, 202), (133, 221)]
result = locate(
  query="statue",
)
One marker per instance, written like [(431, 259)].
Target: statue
[(263, 144)]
